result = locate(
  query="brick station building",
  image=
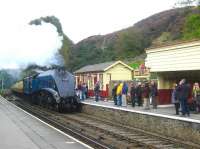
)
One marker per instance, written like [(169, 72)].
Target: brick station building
[(173, 62)]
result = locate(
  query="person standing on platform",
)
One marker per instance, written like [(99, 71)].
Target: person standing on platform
[(145, 95), (83, 91), (79, 88), (86, 93), (114, 94), (184, 90), (97, 91), (175, 98), (153, 94), (196, 96), (119, 94), (139, 94), (133, 94), (124, 94)]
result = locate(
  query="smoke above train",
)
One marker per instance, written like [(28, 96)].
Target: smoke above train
[(37, 44)]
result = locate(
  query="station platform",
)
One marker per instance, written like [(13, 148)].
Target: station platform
[(21, 130), (167, 111)]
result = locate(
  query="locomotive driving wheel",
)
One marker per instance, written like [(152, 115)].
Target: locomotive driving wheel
[(61, 106)]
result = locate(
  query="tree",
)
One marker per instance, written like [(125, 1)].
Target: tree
[(192, 27), (6, 80)]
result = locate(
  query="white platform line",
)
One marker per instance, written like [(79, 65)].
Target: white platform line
[(50, 125), (145, 113)]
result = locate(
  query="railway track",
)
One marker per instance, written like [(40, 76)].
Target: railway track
[(100, 133)]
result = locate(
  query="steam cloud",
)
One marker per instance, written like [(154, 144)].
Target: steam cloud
[(30, 44)]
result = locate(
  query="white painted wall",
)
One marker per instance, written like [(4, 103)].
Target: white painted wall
[(179, 57)]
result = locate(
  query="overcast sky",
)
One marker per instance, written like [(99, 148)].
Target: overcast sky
[(79, 18)]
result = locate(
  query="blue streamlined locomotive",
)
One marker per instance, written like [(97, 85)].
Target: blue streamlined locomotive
[(52, 88)]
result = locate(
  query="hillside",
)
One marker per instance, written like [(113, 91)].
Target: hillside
[(167, 26), (130, 42)]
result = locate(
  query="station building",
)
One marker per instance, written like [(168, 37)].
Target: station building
[(173, 62), (104, 73)]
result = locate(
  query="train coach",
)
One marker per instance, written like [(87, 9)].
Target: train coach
[(53, 89)]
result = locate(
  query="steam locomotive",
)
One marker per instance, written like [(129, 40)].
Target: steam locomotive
[(53, 89)]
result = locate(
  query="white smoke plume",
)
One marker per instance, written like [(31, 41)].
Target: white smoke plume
[(30, 44)]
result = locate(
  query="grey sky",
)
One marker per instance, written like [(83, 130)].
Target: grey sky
[(79, 18)]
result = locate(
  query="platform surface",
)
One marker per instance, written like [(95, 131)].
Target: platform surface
[(19, 130), (167, 111)]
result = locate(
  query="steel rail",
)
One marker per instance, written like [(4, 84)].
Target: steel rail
[(70, 131)]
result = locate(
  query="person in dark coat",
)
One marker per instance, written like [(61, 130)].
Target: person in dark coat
[(153, 94), (145, 96), (175, 98), (86, 93), (133, 94), (184, 90), (79, 89), (83, 91), (97, 91), (114, 94), (139, 94), (124, 94)]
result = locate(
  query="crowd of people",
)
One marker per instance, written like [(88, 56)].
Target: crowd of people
[(140, 94), (82, 91), (181, 94)]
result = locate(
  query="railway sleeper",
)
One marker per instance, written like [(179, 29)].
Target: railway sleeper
[(138, 139), (165, 146), (123, 135)]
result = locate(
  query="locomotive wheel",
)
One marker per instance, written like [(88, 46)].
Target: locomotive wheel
[(77, 105), (74, 105), (69, 107), (56, 107), (34, 99), (61, 107), (49, 101), (40, 98)]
